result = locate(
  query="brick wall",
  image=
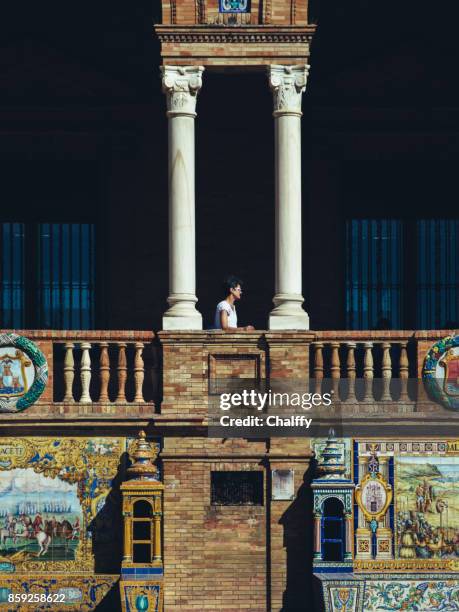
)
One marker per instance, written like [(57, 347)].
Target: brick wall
[(231, 558), (277, 12), (191, 361), (215, 556)]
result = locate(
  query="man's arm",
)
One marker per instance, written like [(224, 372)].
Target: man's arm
[(226, 327)]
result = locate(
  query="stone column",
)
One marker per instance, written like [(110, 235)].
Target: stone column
[(363, 463), (384, 471), (363, 533), (384, 532), (317, 536), (127, 543), (181, 86), (349, 536), (288, 84)]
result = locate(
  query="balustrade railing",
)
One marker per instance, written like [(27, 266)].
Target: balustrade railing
[(115, 367), (123, 367), (365, 366), (108, 372)]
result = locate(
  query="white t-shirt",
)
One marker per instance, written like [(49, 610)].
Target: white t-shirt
[(231, 311)]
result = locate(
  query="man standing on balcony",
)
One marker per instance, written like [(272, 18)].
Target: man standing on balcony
[(225, 313)]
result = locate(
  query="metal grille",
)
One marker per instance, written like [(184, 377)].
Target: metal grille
[(12, 275), (374, 266), (237, 488), (66, 275), (438, 273)]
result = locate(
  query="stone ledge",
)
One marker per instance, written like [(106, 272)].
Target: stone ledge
[(56, 411), (84, 335), (217, 336), (379, 335), (230, 34), (225, 46)]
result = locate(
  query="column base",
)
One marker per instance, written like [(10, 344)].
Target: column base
[(288, 313), (384, 543), (182, 313), (363, 541), (317, 556)]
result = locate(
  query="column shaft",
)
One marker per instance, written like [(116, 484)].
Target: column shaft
[(127, 556), (181, 86), (317, 537), (288, 84), (348, 541), (288, 204)]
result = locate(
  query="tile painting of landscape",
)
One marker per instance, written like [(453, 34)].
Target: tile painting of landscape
[(40, 517), (427, 507)]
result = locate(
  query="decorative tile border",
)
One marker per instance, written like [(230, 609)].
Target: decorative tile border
[(415, 592)]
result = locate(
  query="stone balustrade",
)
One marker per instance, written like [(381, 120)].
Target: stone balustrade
[(118, 374), (99, 367), (103, 369), (363, 366), (347, 360)]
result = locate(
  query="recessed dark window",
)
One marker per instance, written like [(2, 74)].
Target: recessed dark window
[(12, 275), (374, 274), (437, 287), (142, 553), (333, 535), (66, 279), (142, 530), (47, 275), (402, 274), (237, 488)]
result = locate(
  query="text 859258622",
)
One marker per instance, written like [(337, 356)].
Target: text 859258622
[(36, 597)]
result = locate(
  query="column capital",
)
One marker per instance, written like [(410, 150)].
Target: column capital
[(181, 85), (288, 83)]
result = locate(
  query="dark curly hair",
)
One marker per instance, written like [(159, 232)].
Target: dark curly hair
[(230, 282)]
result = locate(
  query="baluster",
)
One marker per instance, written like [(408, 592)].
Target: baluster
[(335, 369), (318, 365), (403, 371), (85, 373), (104, 365), (368, 373), (386, 372), (122, 372), (351, 372), (139, 372), (69, 372)]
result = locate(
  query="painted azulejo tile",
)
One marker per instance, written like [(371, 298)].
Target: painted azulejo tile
[(136, 597), (427, 507), (82, 593), (54, 498), (417, 595)]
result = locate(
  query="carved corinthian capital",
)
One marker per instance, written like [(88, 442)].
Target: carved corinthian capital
[(181, 85), (287, 84)]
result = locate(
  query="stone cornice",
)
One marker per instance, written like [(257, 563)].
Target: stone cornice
[(251, 338), (236, 458), (232, 34), (210, 337)]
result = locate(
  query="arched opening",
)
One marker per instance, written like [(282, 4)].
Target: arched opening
[(332, 528), (142, 509)]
